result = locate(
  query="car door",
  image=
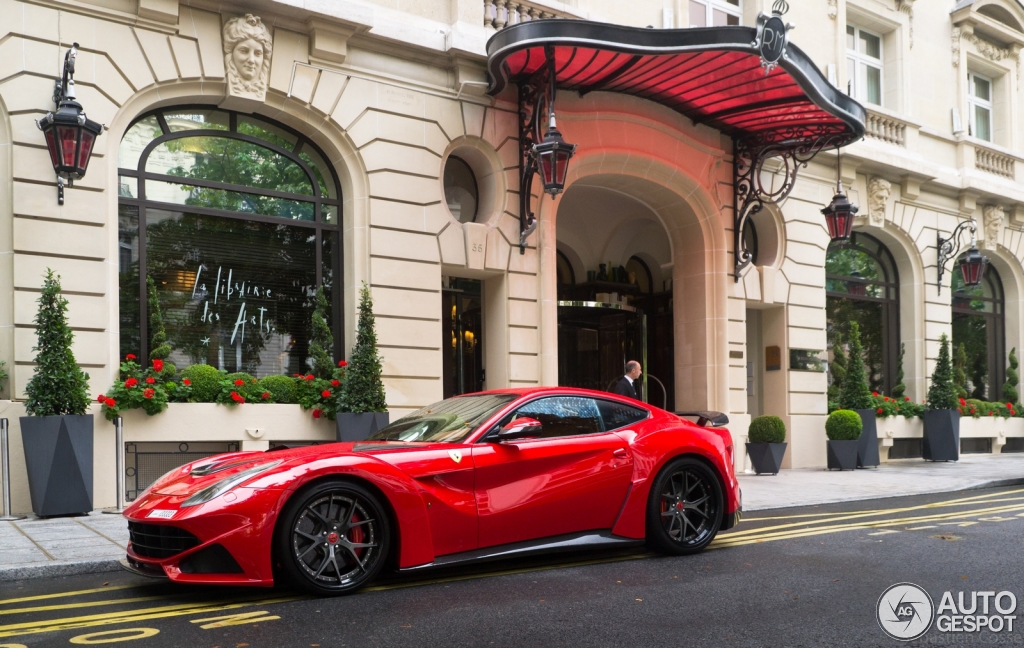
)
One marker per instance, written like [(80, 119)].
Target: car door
[(572, 477)]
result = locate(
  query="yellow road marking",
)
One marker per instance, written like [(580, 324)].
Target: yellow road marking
[(65, 606), (126, 634), (41, 597), (234, 619)]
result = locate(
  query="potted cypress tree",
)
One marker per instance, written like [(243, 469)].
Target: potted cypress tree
[(362, 408), (57, 434), (856, 396), (767, 446), (942, 418), (843, 428)]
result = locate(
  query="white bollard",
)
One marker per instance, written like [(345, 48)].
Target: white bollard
[(5, 474), (119, 466)]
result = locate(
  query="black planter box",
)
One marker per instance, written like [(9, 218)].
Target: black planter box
[(941, 435), (842, 454), (357, 427), (867, 445), (766, 457), (58, 458)]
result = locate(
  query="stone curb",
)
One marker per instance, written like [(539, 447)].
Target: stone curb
[(995, 483), (58, 569)]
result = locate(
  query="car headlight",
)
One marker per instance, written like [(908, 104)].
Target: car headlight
[(226, 484)]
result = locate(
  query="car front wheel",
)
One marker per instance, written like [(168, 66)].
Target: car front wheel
[(685, 508), (333, 538)]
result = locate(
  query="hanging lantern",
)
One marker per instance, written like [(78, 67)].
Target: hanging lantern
[(70, 135), (972, 266), (839, 217), (553, 154)]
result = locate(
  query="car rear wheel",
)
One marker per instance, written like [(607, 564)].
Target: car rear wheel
[(685, 507), (333, 538)]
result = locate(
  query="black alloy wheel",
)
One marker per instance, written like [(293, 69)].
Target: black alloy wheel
[(685, 507), (333, 538)]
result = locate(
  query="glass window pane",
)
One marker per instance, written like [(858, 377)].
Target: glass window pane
[(182, 194), (873, 85), (460, 191), (617, 415), (732, 20), (698, 14), (734, 3), (235, 294), (329, 214), (870, 45), (320, 170), (128, 278), (198, 119), (222, 159), (851, 38), (135, 140), (563, 416), (851, 77), (719, 18), (972, 332), (982, 123), (128, 187), (982, 88), (267, 132)]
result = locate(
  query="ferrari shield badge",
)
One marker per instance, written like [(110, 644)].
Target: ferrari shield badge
[(456, 455)]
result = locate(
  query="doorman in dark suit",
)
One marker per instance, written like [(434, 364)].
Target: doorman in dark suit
[(625, 386)]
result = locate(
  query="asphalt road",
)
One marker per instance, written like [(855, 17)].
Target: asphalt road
[(790, 577)]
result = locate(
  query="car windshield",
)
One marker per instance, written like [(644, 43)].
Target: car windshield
[(449, 421)]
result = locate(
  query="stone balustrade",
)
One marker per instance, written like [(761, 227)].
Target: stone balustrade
[(499, 14), (993, 162), (885, 128)]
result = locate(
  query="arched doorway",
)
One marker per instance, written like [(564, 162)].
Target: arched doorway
[(615, 292), (978, 325)]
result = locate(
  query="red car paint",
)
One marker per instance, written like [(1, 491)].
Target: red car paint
[(446, 497)]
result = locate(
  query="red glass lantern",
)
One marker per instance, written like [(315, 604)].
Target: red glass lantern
[(839, 217), (553, 155), (972, 266), (70, 135)]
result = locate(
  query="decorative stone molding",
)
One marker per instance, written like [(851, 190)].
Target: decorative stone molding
[(907, 7), (833, 9), (248, 47), (995, 217), (956, 47), (989, 50), (879, 190)]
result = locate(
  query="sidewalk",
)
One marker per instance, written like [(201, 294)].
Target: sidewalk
[(33, 548), (807, 486)]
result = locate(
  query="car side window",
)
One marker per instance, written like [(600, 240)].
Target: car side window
[(563, 416), (617, 415)]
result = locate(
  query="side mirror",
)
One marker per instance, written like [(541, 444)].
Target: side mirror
[(520, 429)]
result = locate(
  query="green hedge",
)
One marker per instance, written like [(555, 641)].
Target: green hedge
[(767, 429), (281, 388), (843, 425), (205, 382)]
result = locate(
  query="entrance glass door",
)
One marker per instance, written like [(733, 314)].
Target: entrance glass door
[(595, 340), (462, 336)]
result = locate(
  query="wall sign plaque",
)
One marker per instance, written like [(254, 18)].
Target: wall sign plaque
[(772, 358)]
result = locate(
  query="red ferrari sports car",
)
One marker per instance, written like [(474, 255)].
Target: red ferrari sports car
[(475, 477)]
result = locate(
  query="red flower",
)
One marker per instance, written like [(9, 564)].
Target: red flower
[(266, 396), (102, 398), (326, 393), (991, 413), (1010, 405), (973, 410), (239, 382), (238, 398), (335, 382), (151, 380), (110, 402), (963, 402), (317, 413), (309, 376), (878, 411), (130, 356), (296, 375), (342, 363), (874, 393), (186, 382), (158, 365), (886, 399), (148, 393), (906, 398), (131, 382)]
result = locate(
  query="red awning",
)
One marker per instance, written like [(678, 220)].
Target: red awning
[(712, 75)]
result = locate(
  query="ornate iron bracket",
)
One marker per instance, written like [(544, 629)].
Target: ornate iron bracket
[(535, 94), (793, 150), (946, 249)]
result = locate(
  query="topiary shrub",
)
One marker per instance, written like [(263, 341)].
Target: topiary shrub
[(363, 390), (767, 429), (159, 349), (205, 382), (281, 388), (855, 394), (843, 425), (959, 375), (321, 341), (1012, 380), (942, 391), (900, 390)]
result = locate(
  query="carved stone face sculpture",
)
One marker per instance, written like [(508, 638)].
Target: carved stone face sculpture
[(247, 50), (993, 215), (878, 193)]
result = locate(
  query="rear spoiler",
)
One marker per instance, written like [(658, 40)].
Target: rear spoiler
[(707, 418)]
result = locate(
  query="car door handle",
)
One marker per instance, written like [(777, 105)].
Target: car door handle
[(620, 453)]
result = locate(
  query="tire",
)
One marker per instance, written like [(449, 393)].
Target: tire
[(688, 529), (333, 538)]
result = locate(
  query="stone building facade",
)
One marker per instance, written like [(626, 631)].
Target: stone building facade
[(385, 94)]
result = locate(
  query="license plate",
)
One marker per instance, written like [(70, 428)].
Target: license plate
[(163, 514)]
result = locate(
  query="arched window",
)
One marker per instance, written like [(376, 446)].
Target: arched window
[(235, 221), (978, 326), (861, 286), (639, 271)]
